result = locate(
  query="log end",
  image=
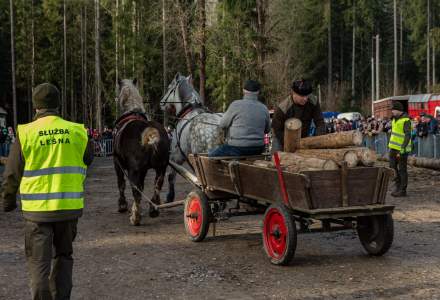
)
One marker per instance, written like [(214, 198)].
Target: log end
[(293, 124), (357, 138), (351, 158)]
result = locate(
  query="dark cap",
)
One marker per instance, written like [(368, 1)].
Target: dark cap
[(397, 106), (302, 87), (422, 114), (46, 95), (252, 86)]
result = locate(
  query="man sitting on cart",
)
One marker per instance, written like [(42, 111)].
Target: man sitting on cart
[(245, 123)]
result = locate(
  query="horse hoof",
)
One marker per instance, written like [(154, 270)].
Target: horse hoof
[(135, 221), (122, 208), (154, 213)]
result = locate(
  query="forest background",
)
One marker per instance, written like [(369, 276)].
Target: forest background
[(84, 46)]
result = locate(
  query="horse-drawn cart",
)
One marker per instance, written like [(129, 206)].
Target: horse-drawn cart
[(349, 198)]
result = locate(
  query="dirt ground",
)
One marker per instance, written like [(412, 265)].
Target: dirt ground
[(114, 260)]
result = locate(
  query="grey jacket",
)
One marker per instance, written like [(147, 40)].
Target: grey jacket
[(245, 122)]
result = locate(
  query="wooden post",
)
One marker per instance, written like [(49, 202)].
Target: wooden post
[(292, 134)]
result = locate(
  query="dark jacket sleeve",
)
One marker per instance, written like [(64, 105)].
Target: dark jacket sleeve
[(278, 120), (12, 176), (407, 131), (89, 153), (319, 120)]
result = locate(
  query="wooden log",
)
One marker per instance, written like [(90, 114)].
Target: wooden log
[(263, 164), (367, 157), (290, 168), (293, 159), (299, 169), (332, 140), (3, 160), (337, 155), (419, 162), (424, 162), (292, 134)]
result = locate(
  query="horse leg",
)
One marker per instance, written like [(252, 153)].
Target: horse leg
[(171, 181), (137, 178), (158, 182), (122, 202)]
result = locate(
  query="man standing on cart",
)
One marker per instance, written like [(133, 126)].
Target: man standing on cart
[(245, 123), (300, 104), (400, 145)]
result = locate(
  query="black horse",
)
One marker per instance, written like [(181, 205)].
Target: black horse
[(139, 145)]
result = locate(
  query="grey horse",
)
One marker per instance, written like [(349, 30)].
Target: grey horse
[(197, 130)]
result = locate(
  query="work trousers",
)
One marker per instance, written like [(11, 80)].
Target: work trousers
[(45, 242), (399, 164)]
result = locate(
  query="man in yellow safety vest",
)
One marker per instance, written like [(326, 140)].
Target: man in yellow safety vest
[(400, 146), (47, 166)]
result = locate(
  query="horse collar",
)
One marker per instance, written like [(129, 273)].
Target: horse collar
[(185, 112), (131, 116)]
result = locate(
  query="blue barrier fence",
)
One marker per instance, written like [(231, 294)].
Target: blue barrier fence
[(103, 147), (424, 147)]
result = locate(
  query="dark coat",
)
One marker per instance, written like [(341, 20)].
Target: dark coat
[(306, 113)]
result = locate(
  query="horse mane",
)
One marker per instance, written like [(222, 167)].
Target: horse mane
[(129, 97)]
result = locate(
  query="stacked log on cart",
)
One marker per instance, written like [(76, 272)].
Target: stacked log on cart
[(325, 152)]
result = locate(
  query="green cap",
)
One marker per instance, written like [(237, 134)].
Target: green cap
[(46, 95)]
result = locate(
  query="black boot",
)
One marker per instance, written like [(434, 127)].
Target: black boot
[(398, 194)]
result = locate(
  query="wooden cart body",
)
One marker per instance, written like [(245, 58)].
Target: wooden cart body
[(349, 198), (321, 194)]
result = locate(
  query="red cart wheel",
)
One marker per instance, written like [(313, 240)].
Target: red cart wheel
[(197, 214), (279, 234)]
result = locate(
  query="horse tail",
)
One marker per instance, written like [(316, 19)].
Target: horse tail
[(150, 137)]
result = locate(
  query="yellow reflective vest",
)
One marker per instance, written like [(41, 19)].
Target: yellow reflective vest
[(398, 135), (54, 171)]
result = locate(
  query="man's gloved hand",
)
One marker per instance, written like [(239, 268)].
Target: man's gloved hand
[(10, 207)]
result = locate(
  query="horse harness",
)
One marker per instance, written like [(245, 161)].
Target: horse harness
[(180, 117), (123, 121)]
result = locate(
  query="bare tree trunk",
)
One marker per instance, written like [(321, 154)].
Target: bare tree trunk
[(97, 70), (85, 87), (395, 89), (202, 87), (183, 24), (164, 47), (428, 46), (33, 54), (82, 65), (353, 57), (330, 59), (133, 33), (14, 92), (64, 99), (117, 56), (261, 24), (377, 68), (433, 65), (401, 33)]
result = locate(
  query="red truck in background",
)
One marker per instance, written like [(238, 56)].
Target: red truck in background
[(413, 105)]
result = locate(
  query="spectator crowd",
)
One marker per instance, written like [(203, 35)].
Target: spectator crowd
[(422, 126)]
